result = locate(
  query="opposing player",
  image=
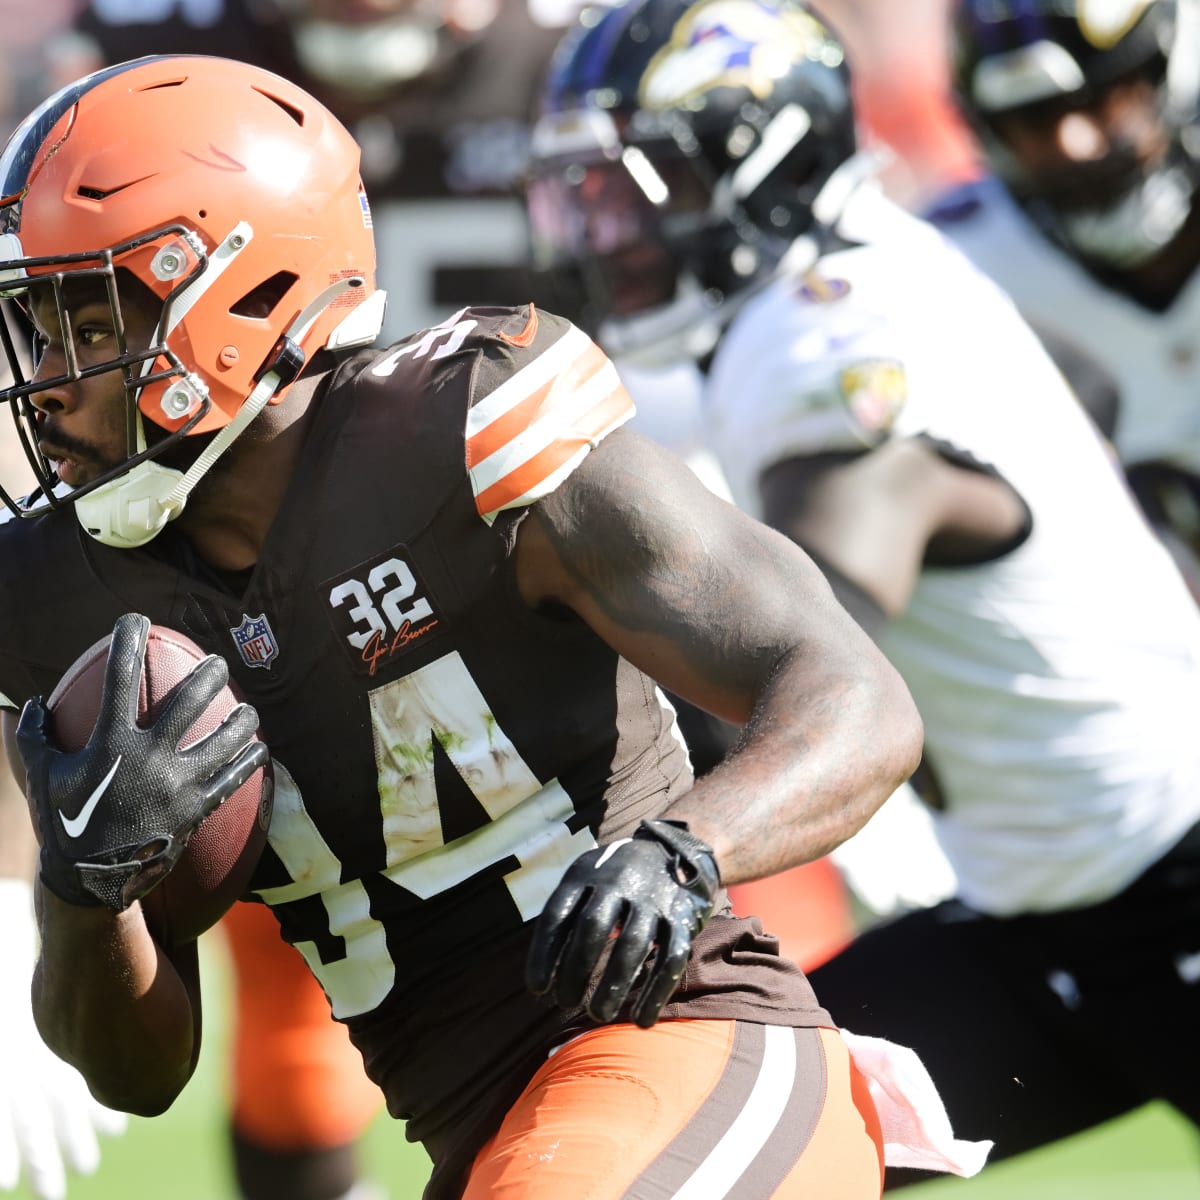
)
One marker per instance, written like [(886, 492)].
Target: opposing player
[(439, 572), (1089, 215), (879, 400)]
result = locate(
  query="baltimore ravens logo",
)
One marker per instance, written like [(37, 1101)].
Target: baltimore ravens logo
[(817, 289), (874, 390), (728, 43)]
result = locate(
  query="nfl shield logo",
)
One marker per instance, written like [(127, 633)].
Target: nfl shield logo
[(255, 641)]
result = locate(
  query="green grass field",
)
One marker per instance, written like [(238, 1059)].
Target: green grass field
[(1150, 1155)]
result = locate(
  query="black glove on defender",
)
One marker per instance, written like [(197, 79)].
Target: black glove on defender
[(116, 816), (654, 892)]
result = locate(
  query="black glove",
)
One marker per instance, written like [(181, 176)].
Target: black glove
[(116, 816), (654, 892)]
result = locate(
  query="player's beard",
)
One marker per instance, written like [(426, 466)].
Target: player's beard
[(89, 460)]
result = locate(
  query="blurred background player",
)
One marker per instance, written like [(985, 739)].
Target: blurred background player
[(1088, 214), (438, 93), (878, 399)]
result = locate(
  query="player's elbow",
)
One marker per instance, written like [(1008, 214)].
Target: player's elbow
[(124, 1069), (136, 1087), (899, 736), (909, 735), (137, 1100)]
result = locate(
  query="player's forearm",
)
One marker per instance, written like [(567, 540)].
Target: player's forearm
[(831, 738), (109, 1001)]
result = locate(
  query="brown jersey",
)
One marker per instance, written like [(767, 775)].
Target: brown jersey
[(442, 752)]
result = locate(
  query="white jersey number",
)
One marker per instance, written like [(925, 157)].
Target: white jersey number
[(365, 614), (439, 703)]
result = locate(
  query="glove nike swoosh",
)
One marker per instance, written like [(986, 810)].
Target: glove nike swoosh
[(77, 824)]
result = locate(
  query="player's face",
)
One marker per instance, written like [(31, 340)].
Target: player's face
[(618, 223), (1081, 156), (82, 425)]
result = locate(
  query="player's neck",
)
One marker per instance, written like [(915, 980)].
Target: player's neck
[(230, 514)]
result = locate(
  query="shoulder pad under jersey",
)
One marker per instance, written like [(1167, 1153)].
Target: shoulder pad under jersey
[(541, 395), (796, 376)]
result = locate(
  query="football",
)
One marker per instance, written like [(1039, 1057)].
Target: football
[(215, 868)]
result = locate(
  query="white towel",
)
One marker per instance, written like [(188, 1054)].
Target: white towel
[(916, 1127)]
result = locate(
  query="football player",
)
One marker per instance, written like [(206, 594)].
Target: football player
[(1088, 214), (437, 93), (300, 1099), (446, 578), (879, 400)]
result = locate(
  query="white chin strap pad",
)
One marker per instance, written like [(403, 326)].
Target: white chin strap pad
[(133, 508)]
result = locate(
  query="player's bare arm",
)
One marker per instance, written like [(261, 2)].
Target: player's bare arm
[(728, 614), (140, 1044), (140, 1040), (877, 518), (108, 998), (133, 1032)]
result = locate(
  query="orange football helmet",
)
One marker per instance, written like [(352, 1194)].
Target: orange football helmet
[(235, 197)]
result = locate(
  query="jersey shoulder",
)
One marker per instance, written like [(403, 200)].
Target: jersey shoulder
[(528, 393), (984, 221), (819, 357), (961, 203)]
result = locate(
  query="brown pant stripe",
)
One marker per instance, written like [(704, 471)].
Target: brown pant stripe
[(708, 1124), (782, 1145), (791, 1136)]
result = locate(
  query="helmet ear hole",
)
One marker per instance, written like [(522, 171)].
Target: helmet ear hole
[(261, 301)]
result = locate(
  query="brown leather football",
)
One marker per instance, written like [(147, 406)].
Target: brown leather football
[(215, 868)]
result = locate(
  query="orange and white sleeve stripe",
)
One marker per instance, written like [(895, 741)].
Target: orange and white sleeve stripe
[(529, 434)]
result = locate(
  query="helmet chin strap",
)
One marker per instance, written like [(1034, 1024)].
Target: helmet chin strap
[(134, 507)]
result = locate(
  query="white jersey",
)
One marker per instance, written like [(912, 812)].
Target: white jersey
[(1153, 357), (1058, 683), (670, 410)]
